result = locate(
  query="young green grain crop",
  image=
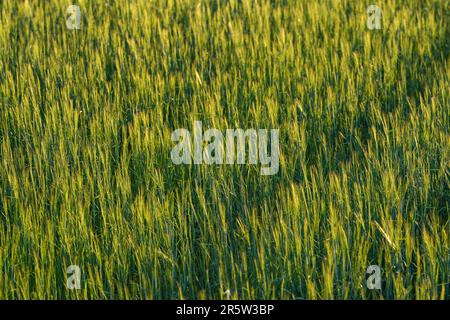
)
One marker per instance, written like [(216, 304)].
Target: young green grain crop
[(86, 177)]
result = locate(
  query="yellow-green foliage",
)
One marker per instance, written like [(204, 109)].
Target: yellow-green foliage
[(85, 171)]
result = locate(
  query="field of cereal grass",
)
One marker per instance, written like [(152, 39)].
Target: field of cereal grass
[(86, 178)]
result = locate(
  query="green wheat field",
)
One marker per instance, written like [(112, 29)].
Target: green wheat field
[(86, 177)]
